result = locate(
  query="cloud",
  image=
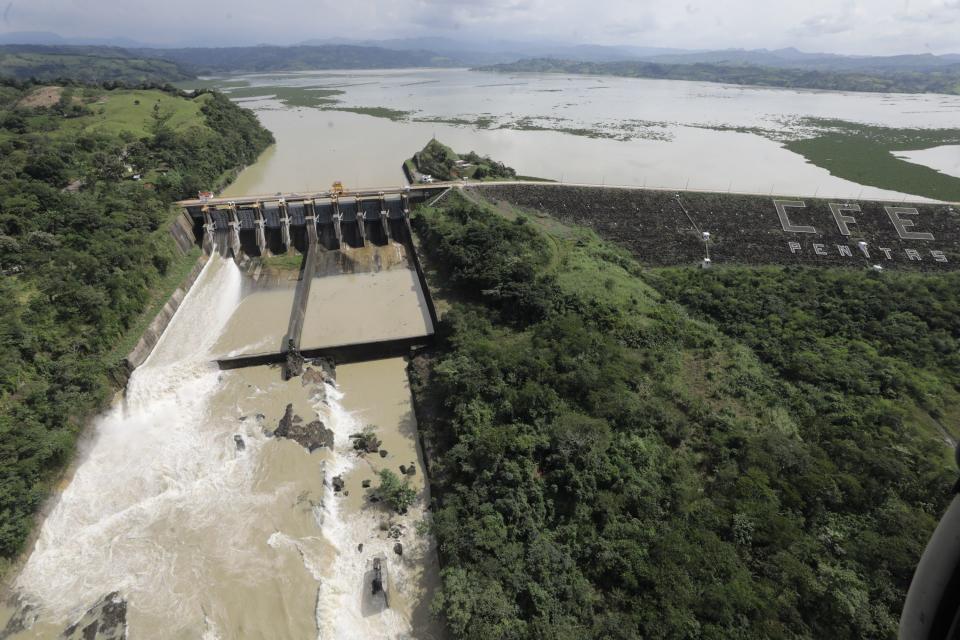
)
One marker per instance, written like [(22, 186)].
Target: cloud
[(848, 26), (827, 23), (935, 12)]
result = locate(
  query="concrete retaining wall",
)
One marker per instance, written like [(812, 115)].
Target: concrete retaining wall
[(182, 233), (156, 328)]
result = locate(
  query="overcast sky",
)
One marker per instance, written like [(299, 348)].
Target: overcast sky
[(842, 26)]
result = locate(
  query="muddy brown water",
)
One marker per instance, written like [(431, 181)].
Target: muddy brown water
[(368, 294)]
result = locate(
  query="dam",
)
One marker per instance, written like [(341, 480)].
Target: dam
[(337, 233)]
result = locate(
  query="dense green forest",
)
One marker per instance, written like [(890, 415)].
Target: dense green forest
[(86, 64), (942, 80), (77, 265), (679, 453)]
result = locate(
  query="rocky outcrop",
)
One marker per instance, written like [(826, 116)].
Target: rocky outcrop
[(311, 436), (23, 618), (328, 368), (106, 620), (312, 376), (366, 442), (294, 364)]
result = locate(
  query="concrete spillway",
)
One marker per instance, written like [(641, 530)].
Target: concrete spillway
[(359, 268)]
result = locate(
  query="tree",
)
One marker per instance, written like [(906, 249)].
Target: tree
[(398, 494)]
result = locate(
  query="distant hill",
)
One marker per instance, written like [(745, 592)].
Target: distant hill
[(139, 65), (794, 59), (781, 67), (945, 79), (50, 38), (86, 64), (297, 58), (486, 51)]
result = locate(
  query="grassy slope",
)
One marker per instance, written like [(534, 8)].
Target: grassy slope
[(117, 111), (129, 111)]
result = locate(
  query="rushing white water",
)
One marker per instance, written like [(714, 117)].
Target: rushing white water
[(147, 463), (203, 539), (346, 607)]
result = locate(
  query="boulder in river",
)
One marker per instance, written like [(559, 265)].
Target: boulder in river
[(377, 575), (398, 549), (338, 483), (366, 441), (23, 618), (377, 583), (238, 440), (106, 620), (311, 436)]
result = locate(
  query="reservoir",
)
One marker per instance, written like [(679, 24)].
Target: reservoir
[(587, 129)]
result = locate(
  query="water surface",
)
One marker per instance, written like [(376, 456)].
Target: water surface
[(670, 134), (945, 159)]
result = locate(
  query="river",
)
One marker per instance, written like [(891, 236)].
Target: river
[(205, 537)]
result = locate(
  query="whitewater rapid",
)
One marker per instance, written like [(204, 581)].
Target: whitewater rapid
[(205, 538)]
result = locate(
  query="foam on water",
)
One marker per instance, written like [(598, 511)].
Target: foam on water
[(203, 540), (147, 466), (345, 608)]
